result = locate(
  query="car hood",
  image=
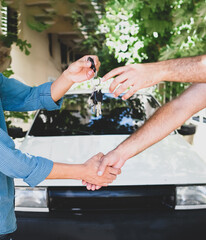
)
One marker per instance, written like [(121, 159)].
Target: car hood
[(171, 161)]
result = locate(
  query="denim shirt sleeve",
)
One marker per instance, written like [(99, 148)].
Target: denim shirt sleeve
[(17, 96), (15, 164)]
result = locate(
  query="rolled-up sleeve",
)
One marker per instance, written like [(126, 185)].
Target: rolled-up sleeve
[(15, 164), (16, 96), (46, 99)]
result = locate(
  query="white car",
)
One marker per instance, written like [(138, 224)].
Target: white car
[(168, 175)]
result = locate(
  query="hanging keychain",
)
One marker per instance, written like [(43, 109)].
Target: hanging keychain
[(95, 100)]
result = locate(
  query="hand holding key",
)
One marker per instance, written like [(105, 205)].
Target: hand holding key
[(77, 72), (80, 70)]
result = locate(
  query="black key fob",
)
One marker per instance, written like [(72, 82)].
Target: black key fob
[(93, 64), (99, 96), (94, 97)]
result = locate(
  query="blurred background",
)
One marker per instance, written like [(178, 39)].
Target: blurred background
[(40, 38)]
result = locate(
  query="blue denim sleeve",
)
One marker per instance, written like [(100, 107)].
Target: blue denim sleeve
[(16, 164), (17, 96)]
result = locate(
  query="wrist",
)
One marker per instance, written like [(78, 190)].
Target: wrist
[(80, 174), (67, 76), (120, 153), (127, 149), (162, 71), (158, 72)]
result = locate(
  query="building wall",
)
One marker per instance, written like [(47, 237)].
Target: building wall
[(39, 66)]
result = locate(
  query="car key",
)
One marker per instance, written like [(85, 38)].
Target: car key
[(99, 97), (95, 100), (93, 67)]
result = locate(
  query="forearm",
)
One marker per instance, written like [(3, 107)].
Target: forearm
[(86, 172), (191, 69), (77, 72), (60, 86), (67, 171), (155, 129), (164, 121)]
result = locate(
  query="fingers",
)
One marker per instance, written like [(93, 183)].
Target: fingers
[(113, 73), (114, 171), (124, 86), (100, 155), (120, 79), (84, 63), (89, 186), (112, 176), (92, 187), (128, 94), (84, 182), (102, 166), (95, 58), (95, 187), (75, 66)]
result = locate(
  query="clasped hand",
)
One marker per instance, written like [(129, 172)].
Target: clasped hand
[(107, 168), (91, 177)]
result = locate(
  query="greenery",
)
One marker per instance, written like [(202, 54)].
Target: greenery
[(8, 38), (139, 31), (189, 30), (20, 115), (188, 37), (8, 72), (94, 39), (37, 25), (136, 29)]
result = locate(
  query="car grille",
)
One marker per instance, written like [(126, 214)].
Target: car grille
[(114, 198)]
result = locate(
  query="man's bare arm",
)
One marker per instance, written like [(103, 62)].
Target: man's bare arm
[(86, 171), (163, 122), (138, 76), (190, 69)]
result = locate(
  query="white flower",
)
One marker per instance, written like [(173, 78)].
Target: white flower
[(124, 47), (124, 37), (155, 34)]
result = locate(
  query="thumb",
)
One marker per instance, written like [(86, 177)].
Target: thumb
[(102, 167), (78, 65)]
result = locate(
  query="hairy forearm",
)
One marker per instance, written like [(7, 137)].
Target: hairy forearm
[(67, 171), (164, 121), (191, 69), (155, 129)]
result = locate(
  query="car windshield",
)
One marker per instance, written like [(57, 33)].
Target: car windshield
[(76, 117)]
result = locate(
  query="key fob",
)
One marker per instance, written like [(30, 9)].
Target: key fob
[(93, 64), (99, 96), (94, 97)]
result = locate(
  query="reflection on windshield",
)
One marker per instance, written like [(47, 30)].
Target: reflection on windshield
[(77, 118)]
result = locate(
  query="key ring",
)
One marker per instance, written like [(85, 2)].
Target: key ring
[(93, 67), (93, 83)]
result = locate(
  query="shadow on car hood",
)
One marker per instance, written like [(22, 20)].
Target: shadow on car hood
[(171, 161)]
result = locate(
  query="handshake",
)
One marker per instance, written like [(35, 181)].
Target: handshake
[(100, 170)]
